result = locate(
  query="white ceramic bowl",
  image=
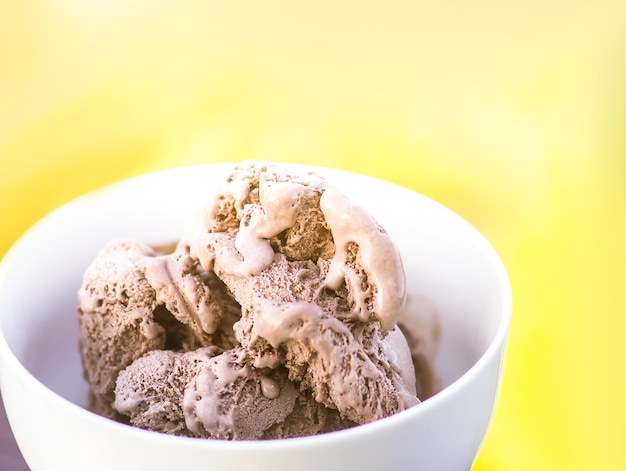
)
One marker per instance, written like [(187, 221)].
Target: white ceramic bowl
[(446, 260)]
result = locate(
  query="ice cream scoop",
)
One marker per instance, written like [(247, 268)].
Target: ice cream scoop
[(279, 307)]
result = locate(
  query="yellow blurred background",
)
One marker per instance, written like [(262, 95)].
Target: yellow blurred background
[(513, 114)]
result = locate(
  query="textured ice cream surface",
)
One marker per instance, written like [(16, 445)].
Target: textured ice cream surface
[(123, 312), (274, 317), (116, 319), (204, 393)]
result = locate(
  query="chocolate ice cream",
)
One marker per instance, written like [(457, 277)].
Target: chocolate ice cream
[(275, 317)]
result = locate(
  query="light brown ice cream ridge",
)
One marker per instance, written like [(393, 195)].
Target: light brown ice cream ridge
[(122, 316), (274, 317)]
